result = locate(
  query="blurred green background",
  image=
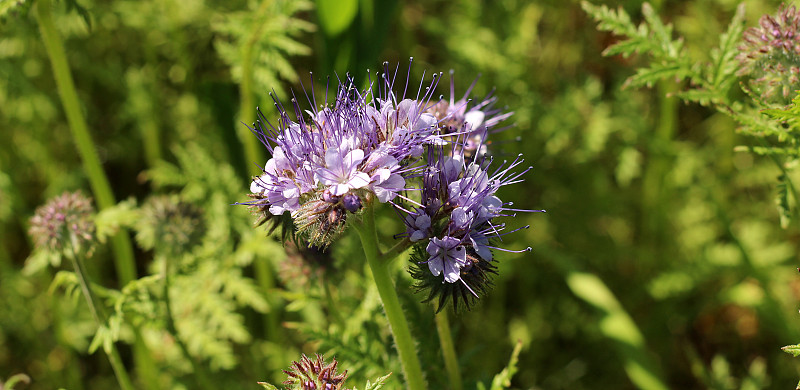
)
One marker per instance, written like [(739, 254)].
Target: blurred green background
[(660, 261)]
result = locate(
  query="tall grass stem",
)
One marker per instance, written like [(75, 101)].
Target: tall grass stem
[(121, 243)]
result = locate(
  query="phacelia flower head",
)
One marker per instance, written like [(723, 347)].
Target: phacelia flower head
[(314, 374), (770, 56), (456, 222), (64, 223), (333, 160)]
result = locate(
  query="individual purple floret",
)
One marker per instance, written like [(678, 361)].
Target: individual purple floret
[(448, 256), (472, 122)]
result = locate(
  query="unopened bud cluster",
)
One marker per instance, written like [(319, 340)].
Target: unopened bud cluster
[(314, 374)]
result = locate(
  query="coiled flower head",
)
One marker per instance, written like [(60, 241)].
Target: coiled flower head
[(770, 56), (455, 225), (64, 222)]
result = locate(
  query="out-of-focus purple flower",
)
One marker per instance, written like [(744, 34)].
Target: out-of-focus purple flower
[(770, 55), (64, 222)]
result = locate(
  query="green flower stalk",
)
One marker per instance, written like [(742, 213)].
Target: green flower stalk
[(65, 225), (171, 227)]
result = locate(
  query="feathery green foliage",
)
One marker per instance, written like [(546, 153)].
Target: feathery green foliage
[(269, 30)]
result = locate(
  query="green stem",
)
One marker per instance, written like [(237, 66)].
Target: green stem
[(203, 377), (123, 250), (448, 351), (100, 317), (403, 340)]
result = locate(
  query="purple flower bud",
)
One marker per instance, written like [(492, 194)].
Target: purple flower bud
[(351, 202)]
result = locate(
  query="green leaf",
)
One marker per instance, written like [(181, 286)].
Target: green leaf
[(794, 350), (267, 386), (503, 379), (39, 260), (108, 221), (336, 15), (379, 383), (724, 58), (18, 378)]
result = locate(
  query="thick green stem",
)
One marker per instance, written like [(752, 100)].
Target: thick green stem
[(99, 315), (448, 351), (123, 250), (202, 376), (403, 340)]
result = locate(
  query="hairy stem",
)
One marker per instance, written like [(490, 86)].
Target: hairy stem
[(123, 250), (448, 351), (403, 340), (99, 315)]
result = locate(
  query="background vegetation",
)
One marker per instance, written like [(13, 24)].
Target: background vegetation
[(661, 262)]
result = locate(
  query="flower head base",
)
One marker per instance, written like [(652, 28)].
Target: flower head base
[(770, 56), (314, 374), (64, 222)]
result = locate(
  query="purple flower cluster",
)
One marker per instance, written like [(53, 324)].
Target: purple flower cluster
[(456, 216), (426, 157), (339, 158), (770, 55)]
